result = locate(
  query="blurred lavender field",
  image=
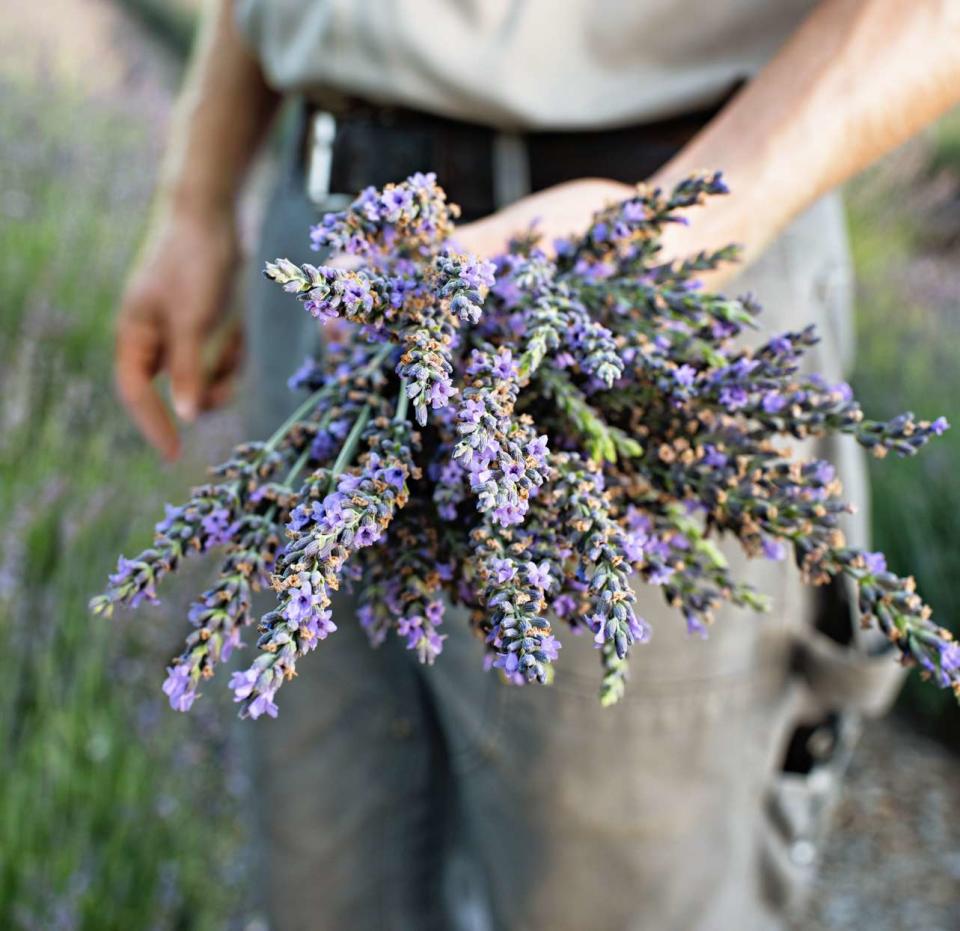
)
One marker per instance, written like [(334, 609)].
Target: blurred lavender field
[(116, 812)]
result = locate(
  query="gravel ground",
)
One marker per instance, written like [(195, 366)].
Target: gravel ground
[(892, 862)]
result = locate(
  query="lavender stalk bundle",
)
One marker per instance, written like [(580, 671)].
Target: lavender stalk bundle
[(536, 437)]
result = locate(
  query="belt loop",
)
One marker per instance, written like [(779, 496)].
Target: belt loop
[(322, 133), (511, 168)]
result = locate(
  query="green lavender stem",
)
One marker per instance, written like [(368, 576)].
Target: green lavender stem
[(402, 403), (319, 395), (350, 444)]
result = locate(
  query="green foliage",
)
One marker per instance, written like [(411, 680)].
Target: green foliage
[(907, 359), (603, 441), (170, 22), (113, 813), (946, 145)]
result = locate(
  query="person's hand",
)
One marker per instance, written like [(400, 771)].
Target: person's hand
[(172, 312), (721, 221), (558, 211), (567, 209)]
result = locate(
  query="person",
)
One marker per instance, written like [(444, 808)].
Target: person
[(438, 797)]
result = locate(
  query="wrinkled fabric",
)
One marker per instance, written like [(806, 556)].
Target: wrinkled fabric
[(395, 796), (521, 64)]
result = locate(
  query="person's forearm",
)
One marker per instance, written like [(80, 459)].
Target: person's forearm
[(223, 114), (178, 291), (858, 78)]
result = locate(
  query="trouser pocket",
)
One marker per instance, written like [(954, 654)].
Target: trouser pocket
[(799, 806)]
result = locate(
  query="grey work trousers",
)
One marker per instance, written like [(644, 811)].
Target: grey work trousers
[(395, 796)]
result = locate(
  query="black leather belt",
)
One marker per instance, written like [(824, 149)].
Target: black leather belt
[(376, 145)]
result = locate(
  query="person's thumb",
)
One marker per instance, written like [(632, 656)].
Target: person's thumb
[(186, 373)]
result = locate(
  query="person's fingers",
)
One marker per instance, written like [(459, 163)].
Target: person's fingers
[(185, 365), (218, 393), (230, 354), (137, 357), (221, 378)]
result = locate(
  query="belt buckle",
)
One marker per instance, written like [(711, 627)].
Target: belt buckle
[(323, 131), (511, 168)]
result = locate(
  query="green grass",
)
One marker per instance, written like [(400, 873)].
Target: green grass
[(945, 155), (113, 811), (170, 23)]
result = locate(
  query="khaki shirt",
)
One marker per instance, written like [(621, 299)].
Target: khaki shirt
[(522, 64)]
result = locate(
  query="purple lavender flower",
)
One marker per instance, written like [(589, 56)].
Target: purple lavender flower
[(503, 569), (733, 397), (171, 514), (440, 393), (243, 683), (300, 516), (218, 527), (660, 575), (844, 391), (685, 376), (180, 688), (949, 656), (564, 605), (773, 549), (503, 366), (634, 547), (773, 402), (300, 606), (319, 624), (537, 449), (875, 563), (367, 535), (539, 575), (394, 476), (262, 704), (394, 203)]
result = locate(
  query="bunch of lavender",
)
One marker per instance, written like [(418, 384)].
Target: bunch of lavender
[(536, 437)]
